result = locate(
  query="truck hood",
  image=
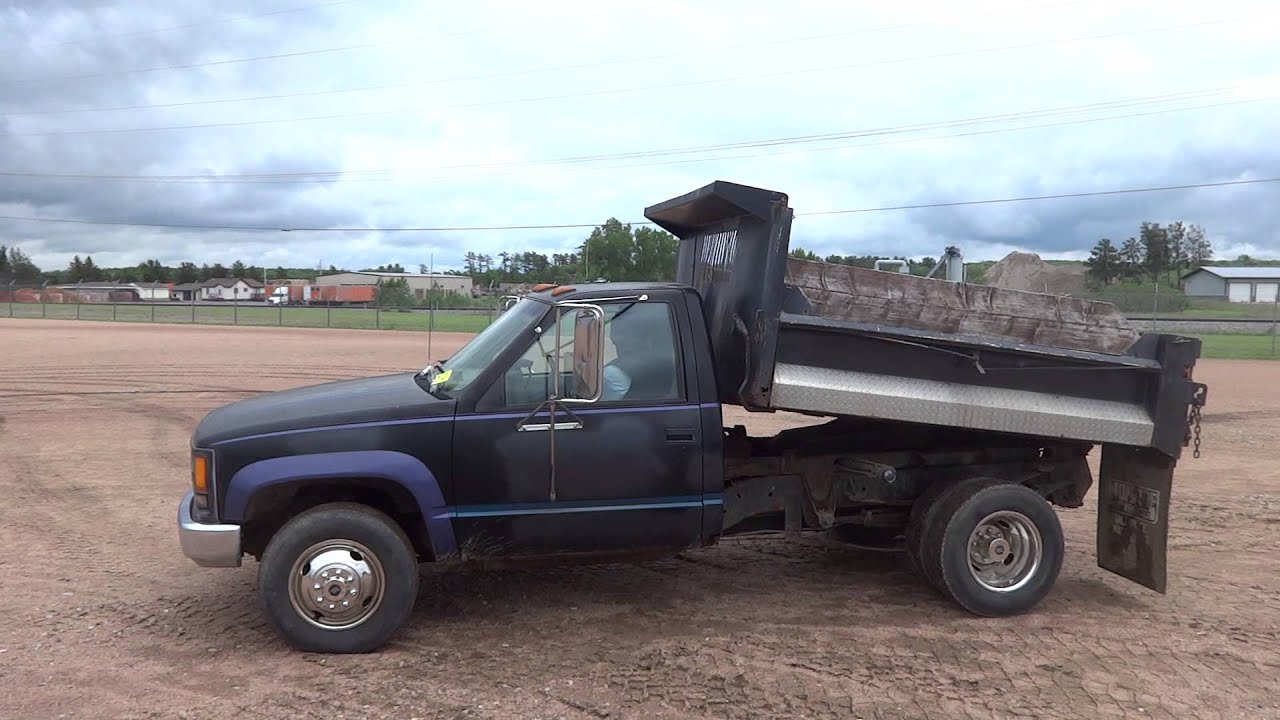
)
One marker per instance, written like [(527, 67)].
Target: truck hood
[(389, 397)]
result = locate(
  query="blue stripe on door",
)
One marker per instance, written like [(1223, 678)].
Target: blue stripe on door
[(584, 506)]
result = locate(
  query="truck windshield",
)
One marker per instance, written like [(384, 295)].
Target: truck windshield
[(455, 374)]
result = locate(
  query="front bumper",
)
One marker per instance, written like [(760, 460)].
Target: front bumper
[(209, 545)]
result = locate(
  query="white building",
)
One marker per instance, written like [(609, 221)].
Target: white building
[(419, 283), (232, 289), (1237, 284), (153, 290), (105, 291)]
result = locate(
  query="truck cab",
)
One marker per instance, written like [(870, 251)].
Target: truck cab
[(586, 423), (582, 422)]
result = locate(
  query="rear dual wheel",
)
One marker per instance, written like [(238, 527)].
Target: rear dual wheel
[(994, 547)]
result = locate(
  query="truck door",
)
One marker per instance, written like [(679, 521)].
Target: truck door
[(626, 470)]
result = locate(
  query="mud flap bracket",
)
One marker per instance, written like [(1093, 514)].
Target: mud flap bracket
[(1133, 513)]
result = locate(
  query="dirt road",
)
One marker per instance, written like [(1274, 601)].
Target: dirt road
[(103, 617)]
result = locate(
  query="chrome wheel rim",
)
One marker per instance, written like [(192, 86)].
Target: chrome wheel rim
[(1005, 551), (336, 584)]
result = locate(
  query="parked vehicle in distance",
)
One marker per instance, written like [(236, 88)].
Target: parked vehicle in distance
[(586, 422), (322, 295)]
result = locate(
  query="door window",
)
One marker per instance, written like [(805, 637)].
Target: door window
[(641, 362)]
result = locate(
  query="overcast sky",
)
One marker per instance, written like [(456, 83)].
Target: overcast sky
[(443, 106)]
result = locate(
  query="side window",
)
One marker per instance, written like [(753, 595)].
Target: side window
[(640, 354), (641, 362)]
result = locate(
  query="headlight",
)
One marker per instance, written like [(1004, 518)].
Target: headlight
[(201, 477)]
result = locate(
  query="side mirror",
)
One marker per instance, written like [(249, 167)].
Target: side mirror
[(588, 354)]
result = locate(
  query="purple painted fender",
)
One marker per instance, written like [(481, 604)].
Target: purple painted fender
[(404, 470)]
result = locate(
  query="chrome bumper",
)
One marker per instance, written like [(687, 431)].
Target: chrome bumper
[(207, 544)]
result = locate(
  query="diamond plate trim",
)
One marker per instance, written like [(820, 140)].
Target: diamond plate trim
[(846, 392)]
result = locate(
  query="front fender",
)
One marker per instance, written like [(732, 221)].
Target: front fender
[(404, 470)]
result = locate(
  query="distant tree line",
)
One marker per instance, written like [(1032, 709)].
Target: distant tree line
[(1159, 254), (613, 250), (17, 266)]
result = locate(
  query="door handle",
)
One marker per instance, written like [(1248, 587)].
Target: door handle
[(680, 435), (544, 427)]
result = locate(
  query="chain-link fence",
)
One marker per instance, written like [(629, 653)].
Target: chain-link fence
[(124, 305), (1232, 330)]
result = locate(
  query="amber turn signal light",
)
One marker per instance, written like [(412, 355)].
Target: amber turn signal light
[(200, 472)]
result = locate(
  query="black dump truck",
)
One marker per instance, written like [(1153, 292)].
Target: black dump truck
[(586, 423)]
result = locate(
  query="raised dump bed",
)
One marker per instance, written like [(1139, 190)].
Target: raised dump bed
[(826, 339)]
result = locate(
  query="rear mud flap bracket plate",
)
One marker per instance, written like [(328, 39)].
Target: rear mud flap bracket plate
[(1133, 514)]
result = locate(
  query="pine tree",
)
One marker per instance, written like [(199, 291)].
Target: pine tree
[(1103, 263)]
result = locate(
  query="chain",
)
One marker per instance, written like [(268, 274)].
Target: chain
[(1195, 418)]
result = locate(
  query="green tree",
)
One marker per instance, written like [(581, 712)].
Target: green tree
[(153, 271), (238, 270), (803, 254), (388, 268), (187, 273), (1199, 249), (1103, 264), (1155, 249), (1131, 258), (217, 270), (394, 292), (75, 270), (609, 252), (655, 255), (4, 261), (21, 267)]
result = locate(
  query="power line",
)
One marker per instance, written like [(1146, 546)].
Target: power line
[(561, 226), (618, 91), (1059, 196), (157, 31), (515, 73), (327, 176)]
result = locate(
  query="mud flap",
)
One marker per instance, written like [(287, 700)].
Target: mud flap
[(1133, 513)]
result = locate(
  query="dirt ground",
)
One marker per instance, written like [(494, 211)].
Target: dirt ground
[(103, 617)]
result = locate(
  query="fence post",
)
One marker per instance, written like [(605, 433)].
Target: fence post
[(1275, 321), (328, 315), (44, 311), (77, 304), (235, 308), (114, 308), (11, 284), (153, 311), (193, 308), (280, 321)]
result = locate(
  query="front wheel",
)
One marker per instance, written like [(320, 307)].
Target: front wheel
[(338, 578), (995, 548)]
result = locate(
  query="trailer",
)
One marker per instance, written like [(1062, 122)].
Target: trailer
[(323, 295), (587, 422)]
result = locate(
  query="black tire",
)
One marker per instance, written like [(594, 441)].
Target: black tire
[(351, 522), (922, 514), (944, 551)]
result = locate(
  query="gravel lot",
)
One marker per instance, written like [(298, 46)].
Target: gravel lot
[(104, 617)]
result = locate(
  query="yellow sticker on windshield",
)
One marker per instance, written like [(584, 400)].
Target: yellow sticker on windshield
[(443, 377)]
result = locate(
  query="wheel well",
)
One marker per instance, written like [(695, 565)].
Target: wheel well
[(271, 507)]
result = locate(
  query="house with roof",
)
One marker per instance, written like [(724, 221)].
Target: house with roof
[(1237, 284), (227, 289)]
